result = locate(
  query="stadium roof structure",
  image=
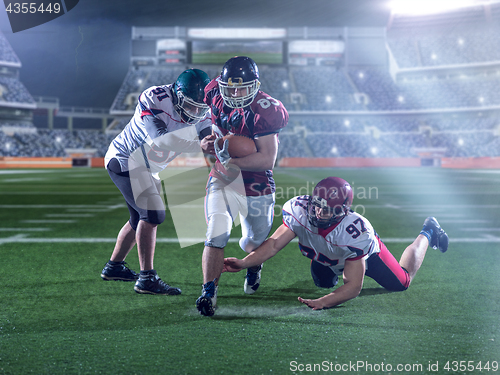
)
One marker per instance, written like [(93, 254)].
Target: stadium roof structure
[(426, 7)]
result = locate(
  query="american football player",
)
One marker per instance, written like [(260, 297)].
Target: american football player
[(342, 242), (168, 119), (238, 106)]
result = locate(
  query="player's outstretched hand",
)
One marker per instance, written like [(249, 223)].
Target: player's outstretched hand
[(232, 265), (312, 303)]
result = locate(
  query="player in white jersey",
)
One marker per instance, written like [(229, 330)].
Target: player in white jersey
[(168, 120), (341, 242)]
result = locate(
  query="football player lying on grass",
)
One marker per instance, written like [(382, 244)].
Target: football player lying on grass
[(340, 241)]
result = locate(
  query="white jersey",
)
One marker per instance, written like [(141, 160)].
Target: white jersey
[(156, 149), (351, 239)]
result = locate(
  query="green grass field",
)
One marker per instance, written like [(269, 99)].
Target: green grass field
[(57, 229), (221, 58)]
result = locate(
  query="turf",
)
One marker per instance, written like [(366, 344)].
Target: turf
[(58, 317), (221, 58)]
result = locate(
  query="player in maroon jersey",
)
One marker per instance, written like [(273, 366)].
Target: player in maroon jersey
[(239, 107)]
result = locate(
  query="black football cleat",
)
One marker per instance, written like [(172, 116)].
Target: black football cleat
[(152, 284), (207, 302), (118, 272), (438, 239)]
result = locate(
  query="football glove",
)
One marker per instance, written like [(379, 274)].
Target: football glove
[(222, 154)]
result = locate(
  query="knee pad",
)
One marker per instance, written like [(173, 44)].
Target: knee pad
[(149, 216), (155, 217), (248, 244), (325, 283), (219, 241), (323, 276), (218, 230)]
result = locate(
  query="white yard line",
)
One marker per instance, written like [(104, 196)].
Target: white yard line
[(25, 171), (97, 210), (69, 215), (28, 193), (66, 206), (24, 179), (22, 238), (48, 221), (463, 221), (482, 229), (25, 229)]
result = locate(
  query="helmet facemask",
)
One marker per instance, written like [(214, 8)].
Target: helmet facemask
[(191, 112), (236, 93), (323, 216), (188, 93), (330, 202)]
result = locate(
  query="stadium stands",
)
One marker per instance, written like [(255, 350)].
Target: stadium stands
[(440, 93), (16, 103), (53, 142), (7, 54), (325, 88), (12, 91)]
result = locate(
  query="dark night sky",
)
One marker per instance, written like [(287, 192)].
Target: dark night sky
[(83, 56)]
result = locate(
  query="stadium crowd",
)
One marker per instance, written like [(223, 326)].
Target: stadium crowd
[(11, 88), (53, 142), (452, 108)]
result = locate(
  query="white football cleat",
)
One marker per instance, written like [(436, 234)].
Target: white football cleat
[(252, 280)]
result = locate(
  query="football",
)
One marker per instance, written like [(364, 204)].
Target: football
[(239, 145)]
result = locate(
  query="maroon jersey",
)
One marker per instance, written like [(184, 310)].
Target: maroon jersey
[(264, 116)]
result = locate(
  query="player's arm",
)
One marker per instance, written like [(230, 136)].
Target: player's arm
[(155, 126), (269, 248), (354, 272), (180, 140), (263, 159)]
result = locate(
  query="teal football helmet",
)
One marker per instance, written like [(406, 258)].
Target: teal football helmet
[(189, 94)]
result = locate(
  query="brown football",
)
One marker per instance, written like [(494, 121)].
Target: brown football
[(239, 145)]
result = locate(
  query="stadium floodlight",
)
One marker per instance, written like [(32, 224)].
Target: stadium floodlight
[(423, 7)]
